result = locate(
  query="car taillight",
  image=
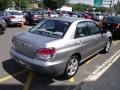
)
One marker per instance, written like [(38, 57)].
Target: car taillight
[(46, 54), (12, 17), (118, 26), (35, 17), (114, 25)]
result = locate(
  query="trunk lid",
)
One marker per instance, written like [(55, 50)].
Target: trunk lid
[(28, 43), (17, 18)]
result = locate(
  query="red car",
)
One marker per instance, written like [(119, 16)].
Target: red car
[(85, 15)]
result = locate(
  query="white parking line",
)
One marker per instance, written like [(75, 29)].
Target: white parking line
[(72, 80), (100, 70)]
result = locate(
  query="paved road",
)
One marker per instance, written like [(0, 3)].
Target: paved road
[(14, 77), (109, 80)]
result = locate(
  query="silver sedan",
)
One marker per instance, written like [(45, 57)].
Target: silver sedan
[(56, 46)]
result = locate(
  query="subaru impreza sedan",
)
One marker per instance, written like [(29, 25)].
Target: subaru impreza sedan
[(56, 46)]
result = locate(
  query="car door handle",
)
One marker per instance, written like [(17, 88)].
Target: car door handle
[(79, 41)]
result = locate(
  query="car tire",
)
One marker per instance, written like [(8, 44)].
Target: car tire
[(71, 67), (107, 47), (27, 22), (1, 30)]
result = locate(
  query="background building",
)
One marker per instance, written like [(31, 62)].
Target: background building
[(97, 3)]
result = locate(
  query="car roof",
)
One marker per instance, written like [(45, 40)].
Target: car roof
[(69, 19), (112, 16)]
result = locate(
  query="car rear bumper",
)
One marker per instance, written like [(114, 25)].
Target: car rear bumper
[(16, 22), (47, 68), (36, 21)]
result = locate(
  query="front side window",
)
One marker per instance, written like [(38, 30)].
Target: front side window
[(81, 30), (51, 28), (93, 28)]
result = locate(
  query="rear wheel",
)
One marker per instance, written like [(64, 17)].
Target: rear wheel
[(72, 67), (27, 22), (1, 30)]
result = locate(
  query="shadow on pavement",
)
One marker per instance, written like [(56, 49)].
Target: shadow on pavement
[(11, 87), (1, 33), (20, 87), (38, 82)]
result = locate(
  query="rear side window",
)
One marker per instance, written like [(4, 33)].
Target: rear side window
[(93, 28)]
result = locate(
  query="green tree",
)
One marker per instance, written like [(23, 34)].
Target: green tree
[(22, 4), (117, 7), (4, 4), (81, 7), (101, 9), (54, 4)]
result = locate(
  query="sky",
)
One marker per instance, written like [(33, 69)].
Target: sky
[(91, 2)]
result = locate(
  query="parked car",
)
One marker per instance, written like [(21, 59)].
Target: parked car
[(2, 25), (56, 46), (13, 17), (98, 17), (113, 24), (86, 16), (47, 14), (33, 17)]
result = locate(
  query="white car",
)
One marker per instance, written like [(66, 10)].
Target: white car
[(13, 17), (98, 17)]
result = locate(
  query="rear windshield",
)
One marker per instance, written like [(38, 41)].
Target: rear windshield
[(51, 28), (16, 13), (36, 13)]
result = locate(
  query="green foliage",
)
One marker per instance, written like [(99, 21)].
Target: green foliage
[(22, 4), (117, 8), (101, 9), (5, 4), (86, 7), (81, 7), (54, 4)]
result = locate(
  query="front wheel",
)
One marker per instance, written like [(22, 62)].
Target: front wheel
[(72, 67), (107, 47)]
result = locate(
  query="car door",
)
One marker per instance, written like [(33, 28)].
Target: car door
[(95, 32), (84, 40)]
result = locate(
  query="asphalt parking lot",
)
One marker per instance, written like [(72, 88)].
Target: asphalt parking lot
[(14, 77)]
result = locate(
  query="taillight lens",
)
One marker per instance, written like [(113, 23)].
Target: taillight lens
[(46, 54), (12, 17), (35, 17), (118, 26), (115, 25)]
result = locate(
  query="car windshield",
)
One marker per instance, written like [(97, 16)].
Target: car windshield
[(51, 28), (115, 19)]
